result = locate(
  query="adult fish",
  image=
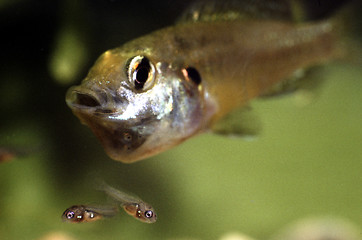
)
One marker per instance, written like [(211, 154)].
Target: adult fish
[(159, 90)]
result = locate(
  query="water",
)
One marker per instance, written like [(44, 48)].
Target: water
[(306, 162)]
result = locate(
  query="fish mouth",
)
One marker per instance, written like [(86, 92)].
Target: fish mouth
[(122, 140), (78, 99), (86, 100)]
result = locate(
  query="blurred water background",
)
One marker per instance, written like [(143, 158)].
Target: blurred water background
[(307, 161)]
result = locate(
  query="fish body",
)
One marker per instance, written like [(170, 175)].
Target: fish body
[(83, 213), (134, 206), (156, 91)]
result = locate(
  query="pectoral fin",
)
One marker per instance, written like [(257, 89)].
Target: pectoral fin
[(239, 123)]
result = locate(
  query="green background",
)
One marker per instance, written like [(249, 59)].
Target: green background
[(306, 162)]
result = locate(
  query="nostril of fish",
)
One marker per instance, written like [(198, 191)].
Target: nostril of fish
[(86, 100)]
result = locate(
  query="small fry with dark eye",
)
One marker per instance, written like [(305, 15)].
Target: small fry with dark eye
[(134, 206), (83, 213), (6, 155)]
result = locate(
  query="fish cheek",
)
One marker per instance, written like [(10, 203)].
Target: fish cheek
[(119, 142), (117, 138), (79, 217), (128, 139), (133, 210)]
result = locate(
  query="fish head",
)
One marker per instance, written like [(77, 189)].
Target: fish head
[(74, 214), (146, 213), (137, 104), (142, 211)]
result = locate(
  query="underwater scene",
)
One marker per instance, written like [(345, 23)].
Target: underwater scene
[(297, 177)]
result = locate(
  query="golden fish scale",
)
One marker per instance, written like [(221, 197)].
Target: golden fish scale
[(239, 60)]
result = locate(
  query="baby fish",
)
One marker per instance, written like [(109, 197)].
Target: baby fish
[(83, 213), (6, 155), (132, 205), (161, 89)]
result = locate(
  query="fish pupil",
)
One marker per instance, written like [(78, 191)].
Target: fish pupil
[(70, 215), (193, 75), (142, 73), (148, 214)]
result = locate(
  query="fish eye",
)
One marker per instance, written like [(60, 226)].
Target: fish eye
[(70, 215), (141, 73), (148, 214), (191, 74)]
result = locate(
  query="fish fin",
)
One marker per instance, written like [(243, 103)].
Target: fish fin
[(107, 211), (239, 123), (347, 23), (214, 10), (345, 18), (306, 82), (118, 195)]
